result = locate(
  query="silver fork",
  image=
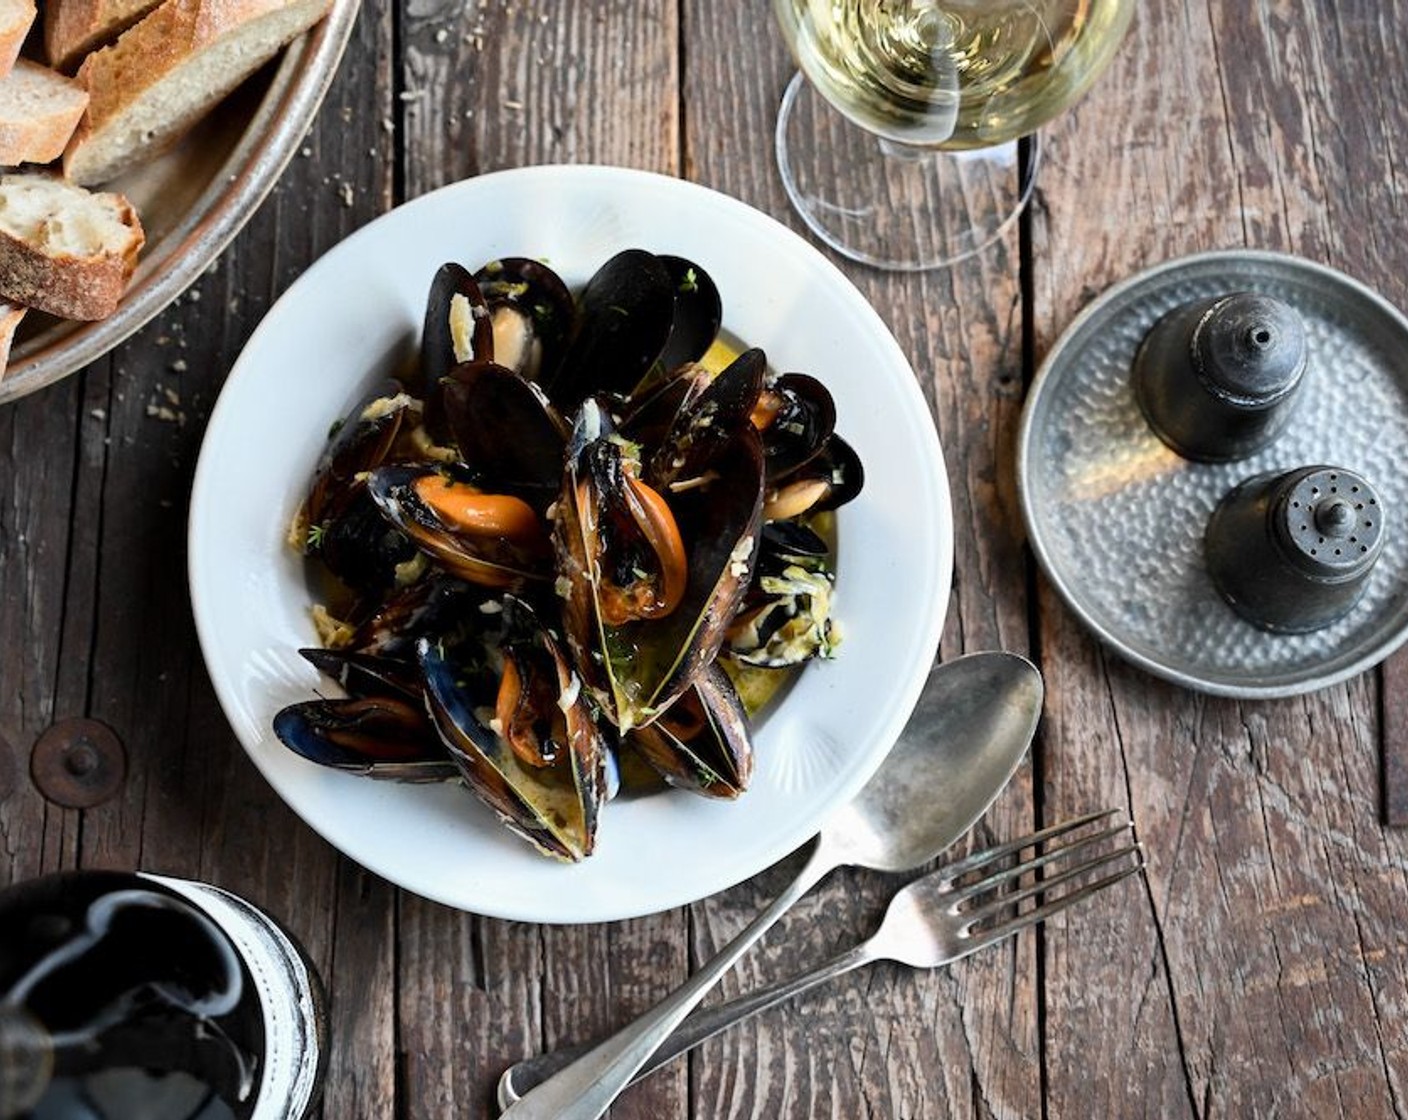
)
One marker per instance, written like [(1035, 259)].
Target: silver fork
[(935, 920)]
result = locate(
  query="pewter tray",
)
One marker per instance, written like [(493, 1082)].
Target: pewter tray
[(1116, 519)]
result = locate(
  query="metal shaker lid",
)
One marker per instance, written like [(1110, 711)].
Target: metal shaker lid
[(1329, 523), (1250, 348)]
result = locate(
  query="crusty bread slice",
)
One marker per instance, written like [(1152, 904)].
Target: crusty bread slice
[(166, 72), (16, 16), (39, 109), (10, 316), (64, 249), (72, 28)]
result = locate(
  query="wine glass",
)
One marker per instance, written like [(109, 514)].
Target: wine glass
[(898, 138)]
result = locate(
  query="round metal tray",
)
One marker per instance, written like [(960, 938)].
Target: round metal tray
[(193, 200), (1116, 519)]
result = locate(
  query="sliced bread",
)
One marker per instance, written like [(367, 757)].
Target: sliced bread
[(72, 28), (16, 16), (10, 316), (64, 249), (39, 109), (167, 71)]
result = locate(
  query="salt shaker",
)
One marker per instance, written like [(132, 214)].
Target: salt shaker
[(1217, 378), (1291, 551)]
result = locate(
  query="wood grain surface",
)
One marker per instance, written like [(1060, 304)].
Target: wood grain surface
[(1261, 967)]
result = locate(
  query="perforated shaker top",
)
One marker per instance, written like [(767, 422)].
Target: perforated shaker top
[(1331, 524)]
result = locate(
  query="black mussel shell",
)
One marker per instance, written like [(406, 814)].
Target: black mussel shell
[(623, 320), (363, 675), (825, 482), (458, 328), (697, 316), (359, 442), (361, 547), (796, 416), (532, 313), (431, 607), (508, 435), (701, 743), (708, 421), (380, 737)]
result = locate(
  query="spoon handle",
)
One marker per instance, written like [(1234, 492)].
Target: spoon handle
[(586, 1088), (519, 1078)]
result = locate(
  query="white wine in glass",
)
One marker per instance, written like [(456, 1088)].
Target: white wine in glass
[(896, 140)]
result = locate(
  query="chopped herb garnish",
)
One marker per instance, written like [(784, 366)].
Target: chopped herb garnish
[(690, 283)]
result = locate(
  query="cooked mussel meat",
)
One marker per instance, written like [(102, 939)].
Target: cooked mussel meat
[(827, 481), (494, 540), (531, 312)]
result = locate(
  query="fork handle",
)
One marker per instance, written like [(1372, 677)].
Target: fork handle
[(702, 1024), (585, 1089)]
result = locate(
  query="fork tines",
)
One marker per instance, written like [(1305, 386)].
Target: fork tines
[(998, 893)]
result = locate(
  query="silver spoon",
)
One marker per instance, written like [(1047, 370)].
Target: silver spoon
[(969, 730)]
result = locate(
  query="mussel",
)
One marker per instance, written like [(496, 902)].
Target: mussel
[(494, 540), (786, 615), (702, 742), (531, 312), (526, 743), (651, 579)]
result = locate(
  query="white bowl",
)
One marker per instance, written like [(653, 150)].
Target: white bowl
[(354, 316)]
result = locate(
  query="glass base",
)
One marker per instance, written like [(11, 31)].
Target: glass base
[(890, 206)]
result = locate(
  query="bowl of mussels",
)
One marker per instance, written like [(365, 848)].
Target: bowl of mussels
[(572, 565)]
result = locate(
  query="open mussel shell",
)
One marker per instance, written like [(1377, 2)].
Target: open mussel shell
[(458, 328), (377, 736), (796, 416), (638, 666), (531, 311), (827, 481), (555, 807), (707, 421), (701, 743), (624, 317), (362, 675), (508, 435), (493, 540), (786, 615), (358, 443), (698, 314), (435, 604)]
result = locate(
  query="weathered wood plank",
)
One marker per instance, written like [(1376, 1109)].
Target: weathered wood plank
[(886, 1041), (1239, 985)]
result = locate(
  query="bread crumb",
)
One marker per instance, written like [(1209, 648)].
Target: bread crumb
[(99, 414), (347, 193), (179, 365), (441, 35), (411, 94), (511, 103)]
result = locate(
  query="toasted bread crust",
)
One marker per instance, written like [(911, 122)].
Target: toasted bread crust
[(14, 26), (175, 46), (68, 285), (72, 28)]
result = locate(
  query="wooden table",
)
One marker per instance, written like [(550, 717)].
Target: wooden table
[(1261, 970)]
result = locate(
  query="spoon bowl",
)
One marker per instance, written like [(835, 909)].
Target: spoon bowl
[(971, 727)]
